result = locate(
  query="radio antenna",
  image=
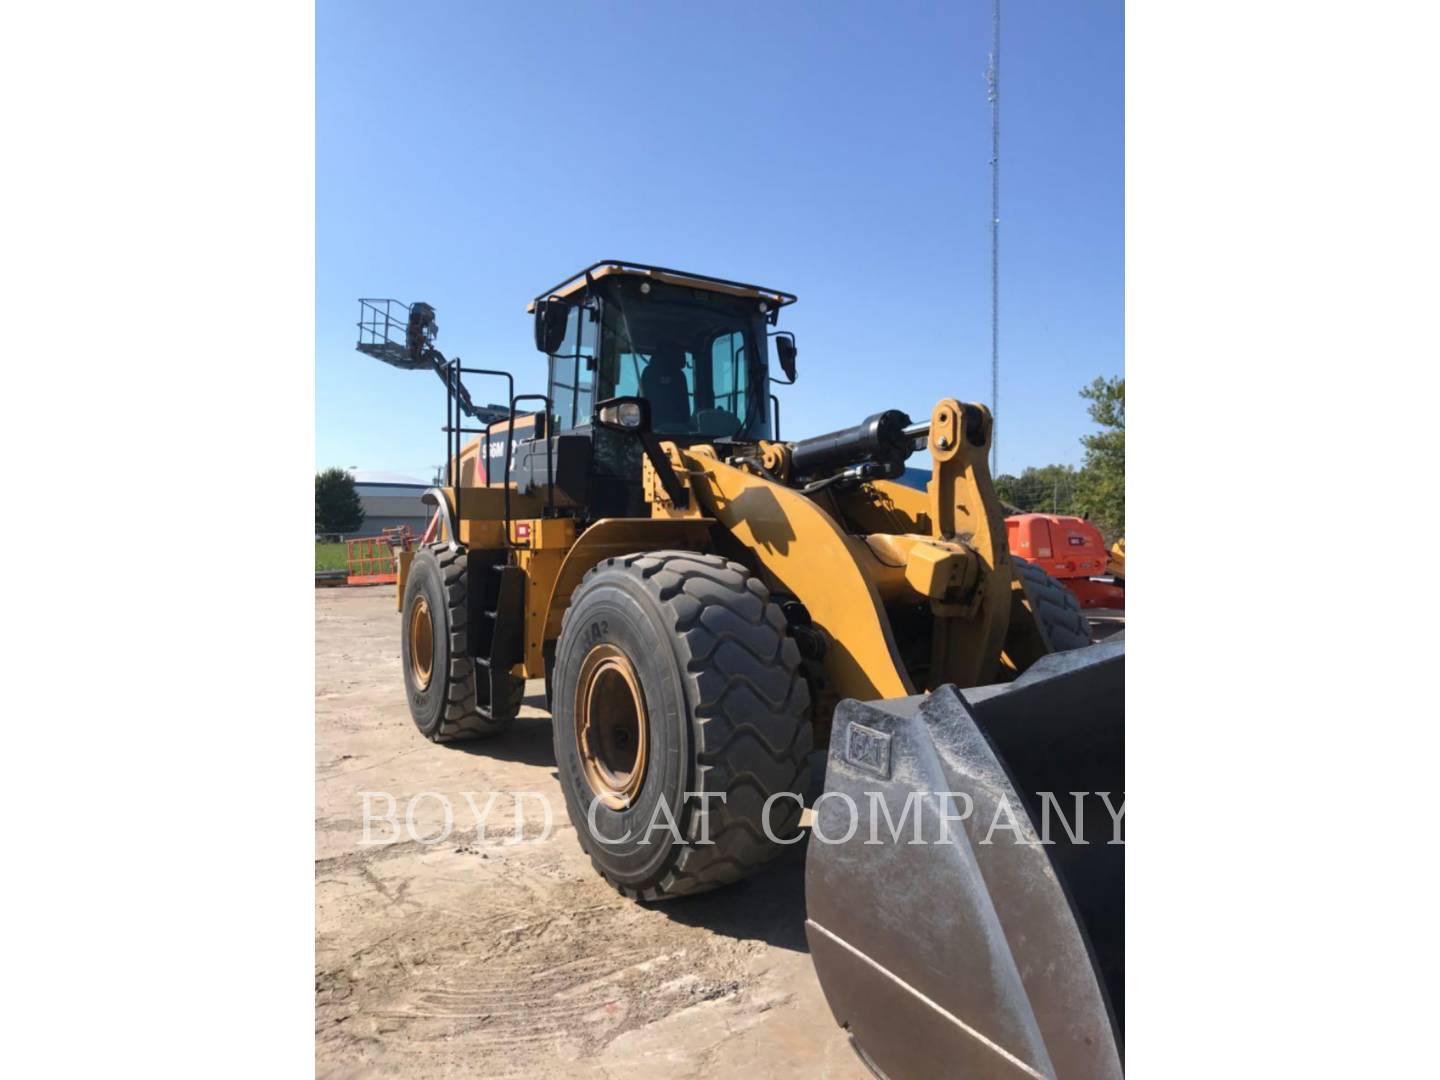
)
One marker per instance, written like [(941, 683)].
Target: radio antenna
[(992, 79)]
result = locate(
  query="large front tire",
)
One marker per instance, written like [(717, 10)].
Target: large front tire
[(677, 684), (1056, 611)]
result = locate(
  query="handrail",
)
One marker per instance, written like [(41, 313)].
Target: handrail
[(457, 430), (625, 264), (382, 320)]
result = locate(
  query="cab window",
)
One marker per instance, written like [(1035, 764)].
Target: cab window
[(691, 356), (572, 370), (728, 373), (666, 376)]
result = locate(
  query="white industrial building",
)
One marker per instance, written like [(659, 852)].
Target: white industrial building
[(389, 499)]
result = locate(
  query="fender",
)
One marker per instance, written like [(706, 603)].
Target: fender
[(437, 498), (444, 518), (609, 537)]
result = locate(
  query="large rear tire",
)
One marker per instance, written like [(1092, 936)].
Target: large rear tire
[(676, 683), (1057, 611), (440, 675)]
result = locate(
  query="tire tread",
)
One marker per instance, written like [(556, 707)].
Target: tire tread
[(1057, 611), (463, 718), (750, 713)]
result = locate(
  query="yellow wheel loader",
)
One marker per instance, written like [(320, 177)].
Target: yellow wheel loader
[(732, 627)]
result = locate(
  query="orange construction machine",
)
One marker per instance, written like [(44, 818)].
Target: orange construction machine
[(1072, 550)]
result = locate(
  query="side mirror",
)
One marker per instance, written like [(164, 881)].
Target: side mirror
[(550, 316), (630, 414), (785, 350)]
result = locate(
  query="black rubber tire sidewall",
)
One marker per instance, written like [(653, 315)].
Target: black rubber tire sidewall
[(615, 609), (427, 706), (1056, 609)]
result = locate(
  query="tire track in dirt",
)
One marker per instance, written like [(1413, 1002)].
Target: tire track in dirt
[(481, 957), (548, 960)]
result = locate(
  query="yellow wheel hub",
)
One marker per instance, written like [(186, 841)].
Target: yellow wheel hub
[(422, 642), (610, 726)]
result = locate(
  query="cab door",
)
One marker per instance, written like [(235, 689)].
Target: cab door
[(573, 368)]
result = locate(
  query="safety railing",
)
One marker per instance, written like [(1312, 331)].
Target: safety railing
[(379, 324), (371, 560)]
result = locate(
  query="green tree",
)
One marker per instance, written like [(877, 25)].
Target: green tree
[(1049, 489), (337, 503), (1100, 491)]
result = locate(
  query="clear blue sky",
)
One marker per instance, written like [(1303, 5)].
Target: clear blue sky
[(472, 154)]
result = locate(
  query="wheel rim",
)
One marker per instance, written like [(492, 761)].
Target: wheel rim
[(610, 726), (422, 642)]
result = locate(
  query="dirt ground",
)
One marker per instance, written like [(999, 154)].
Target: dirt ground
[(483, 956)]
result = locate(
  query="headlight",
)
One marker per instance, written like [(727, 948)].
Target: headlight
[(625, 414)]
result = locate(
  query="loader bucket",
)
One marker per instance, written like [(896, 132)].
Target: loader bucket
[(982, 950)]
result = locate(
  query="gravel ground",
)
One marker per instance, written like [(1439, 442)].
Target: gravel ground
[(478, 955)]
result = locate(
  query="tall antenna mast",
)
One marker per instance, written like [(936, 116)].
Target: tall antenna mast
[(992, 78)]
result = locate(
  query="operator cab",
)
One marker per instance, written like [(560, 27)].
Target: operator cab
[(694, 347)]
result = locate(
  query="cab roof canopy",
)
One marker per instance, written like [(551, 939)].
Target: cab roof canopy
[(607, 267)]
